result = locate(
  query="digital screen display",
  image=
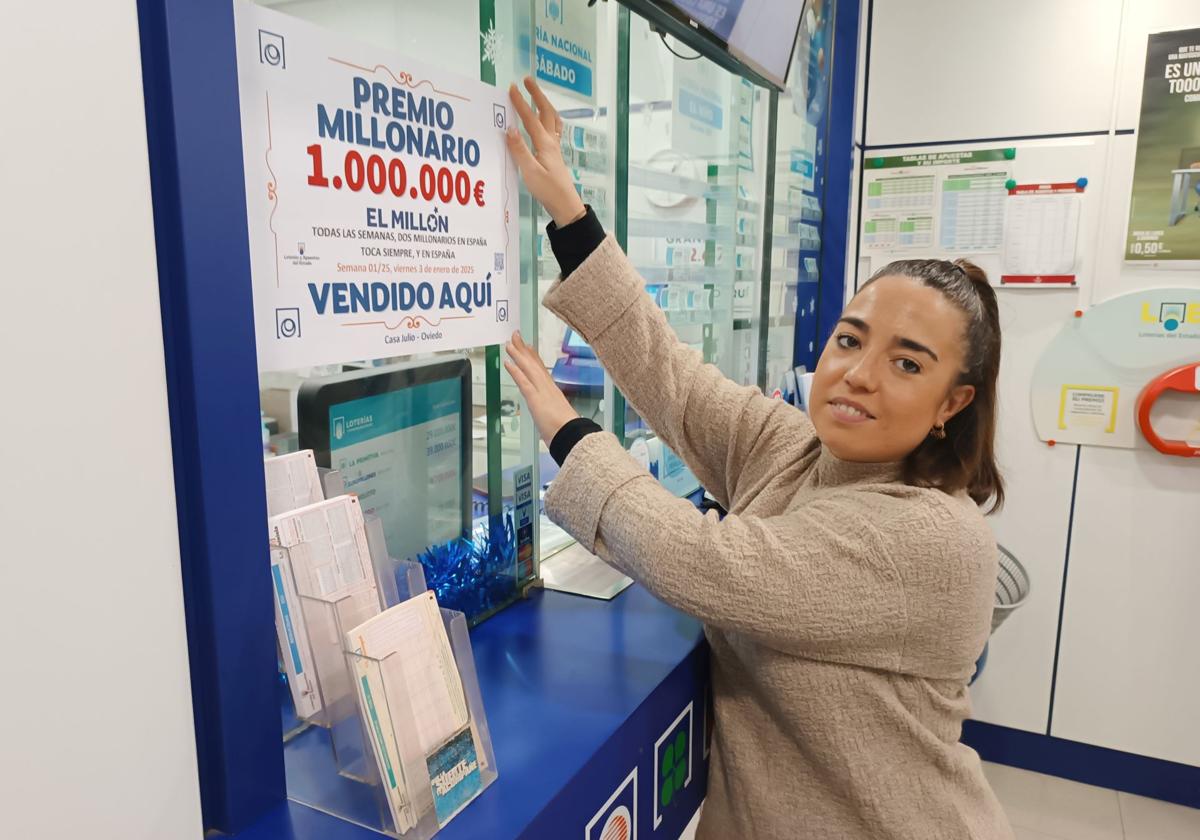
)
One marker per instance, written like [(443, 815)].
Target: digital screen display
[(674, 474), (401, 452), (760, 32), (574, 345)]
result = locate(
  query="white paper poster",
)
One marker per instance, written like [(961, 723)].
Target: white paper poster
[(1041, 229), (950, 201), (381, 201)]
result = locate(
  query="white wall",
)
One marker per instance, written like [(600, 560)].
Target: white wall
[(959, 69), (1128, 675), (96, 704)]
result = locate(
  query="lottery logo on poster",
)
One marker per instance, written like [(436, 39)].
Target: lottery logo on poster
[(1170, 319), (381, 201)]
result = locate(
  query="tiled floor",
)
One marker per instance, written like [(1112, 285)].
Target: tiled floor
[(1048, 808), (689, 833)]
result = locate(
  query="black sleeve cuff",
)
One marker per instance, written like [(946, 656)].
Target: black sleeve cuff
[(569, 435), (574, 243)]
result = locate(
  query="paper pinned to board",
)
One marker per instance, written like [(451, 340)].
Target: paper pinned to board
[(1041, 232), (949, 200), (292, 482), (577, 571)]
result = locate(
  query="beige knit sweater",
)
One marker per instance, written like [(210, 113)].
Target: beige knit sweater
[(844, 609)]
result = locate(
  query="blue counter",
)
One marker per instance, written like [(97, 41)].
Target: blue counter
[(588, 702)]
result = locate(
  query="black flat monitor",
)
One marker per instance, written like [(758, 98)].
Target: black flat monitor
[(754, 38), (401, 438)]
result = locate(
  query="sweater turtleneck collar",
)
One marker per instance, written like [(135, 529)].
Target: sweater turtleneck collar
[(833, 471)]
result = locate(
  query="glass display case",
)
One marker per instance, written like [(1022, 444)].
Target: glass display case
[(696, 173)]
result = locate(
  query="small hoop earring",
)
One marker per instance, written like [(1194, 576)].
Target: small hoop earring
[(938, 432)]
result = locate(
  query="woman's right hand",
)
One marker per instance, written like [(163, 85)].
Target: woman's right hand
[(543, 170)]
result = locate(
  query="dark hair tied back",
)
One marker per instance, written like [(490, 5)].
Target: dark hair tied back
[(966, 458)]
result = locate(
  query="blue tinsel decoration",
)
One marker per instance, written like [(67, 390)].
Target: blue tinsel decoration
[(474, 576)]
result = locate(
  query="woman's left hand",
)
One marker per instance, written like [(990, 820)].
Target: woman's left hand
[(549, 407)]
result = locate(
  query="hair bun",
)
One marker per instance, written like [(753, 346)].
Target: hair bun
[(974, 273), (983, 288)]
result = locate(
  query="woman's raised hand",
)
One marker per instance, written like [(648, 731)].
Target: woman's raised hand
[(549, 407), (543, 169)]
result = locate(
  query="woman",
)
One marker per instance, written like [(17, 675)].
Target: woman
[(848, 593)]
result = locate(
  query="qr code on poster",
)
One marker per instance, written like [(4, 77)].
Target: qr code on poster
[(499, 261)]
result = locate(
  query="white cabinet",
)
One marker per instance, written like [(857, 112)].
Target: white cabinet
[(1129, 666)]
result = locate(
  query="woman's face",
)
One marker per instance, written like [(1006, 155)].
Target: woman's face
[(887, 375)]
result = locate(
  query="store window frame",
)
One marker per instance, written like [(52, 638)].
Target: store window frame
[(189, 74), (196, 175)]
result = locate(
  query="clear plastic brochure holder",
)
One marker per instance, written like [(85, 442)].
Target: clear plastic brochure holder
[(413, 794), (325, 623), (331, 482), (418, 791)]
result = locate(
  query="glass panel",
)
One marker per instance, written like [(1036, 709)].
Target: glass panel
[(447, 34), (748, 328), (575, 57), (799, 186), (696, 170), (512, 442)]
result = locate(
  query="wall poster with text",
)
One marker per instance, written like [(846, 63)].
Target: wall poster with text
[(1164, 209), (381, 202)]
